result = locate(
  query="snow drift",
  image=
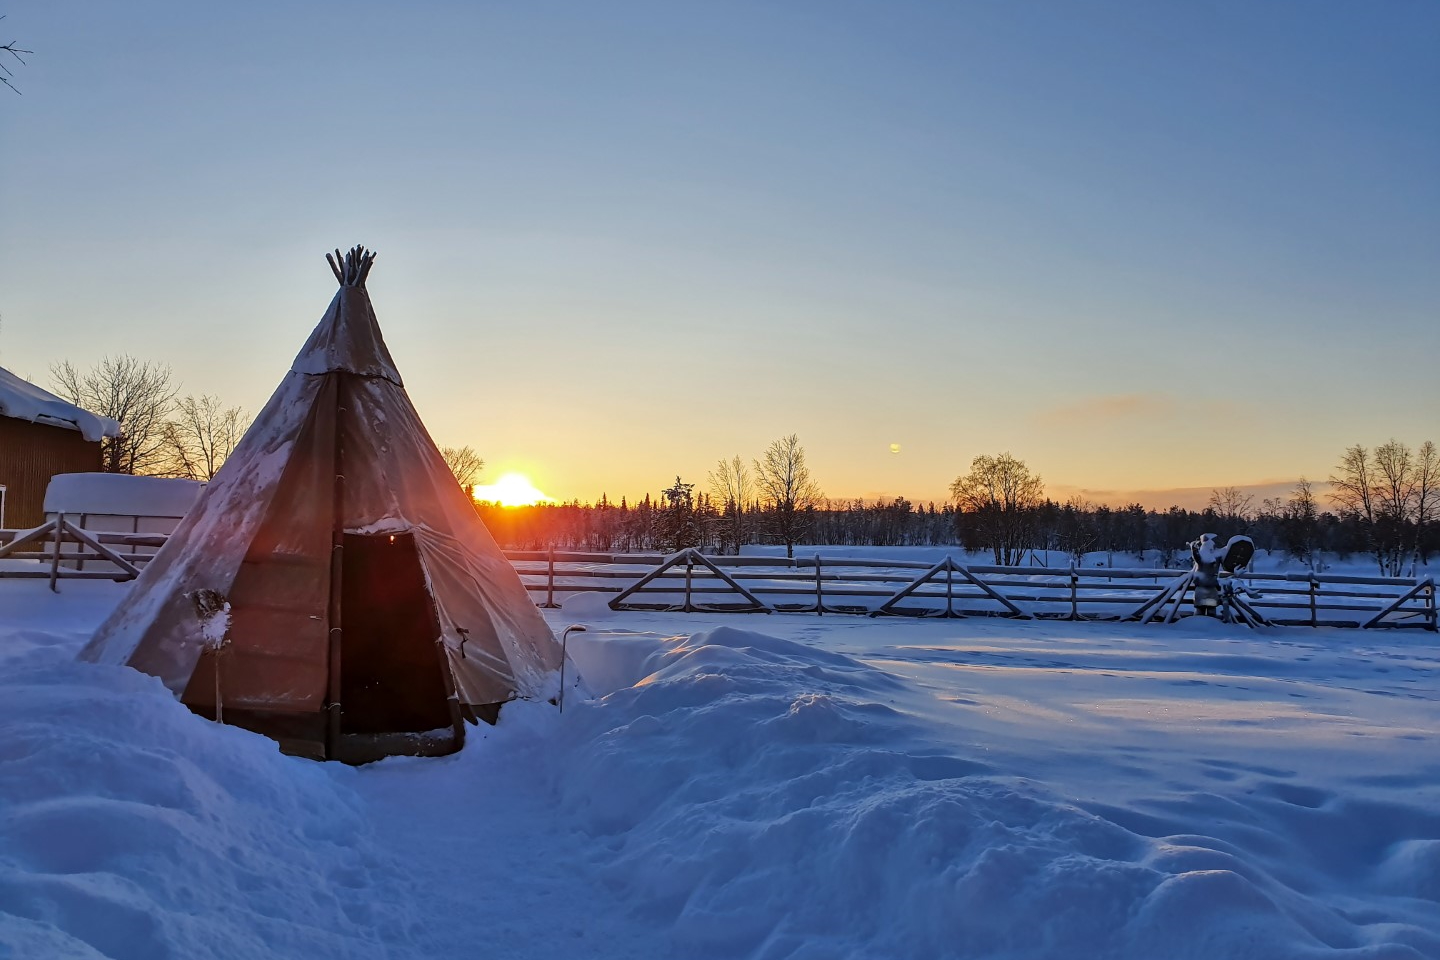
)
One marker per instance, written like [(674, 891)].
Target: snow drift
[(731, 794)]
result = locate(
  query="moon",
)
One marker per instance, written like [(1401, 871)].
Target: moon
[(894, 448)]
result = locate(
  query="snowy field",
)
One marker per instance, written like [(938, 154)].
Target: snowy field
[(781, 786)]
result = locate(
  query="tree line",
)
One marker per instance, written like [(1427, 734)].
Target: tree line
[(772, 498), (1383, 506)]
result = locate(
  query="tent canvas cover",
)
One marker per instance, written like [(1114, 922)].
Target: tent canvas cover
[(333, 587)]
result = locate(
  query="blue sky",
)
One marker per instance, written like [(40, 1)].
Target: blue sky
[(1141, 246)]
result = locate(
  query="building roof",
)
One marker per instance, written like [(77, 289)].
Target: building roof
[(22, 400)]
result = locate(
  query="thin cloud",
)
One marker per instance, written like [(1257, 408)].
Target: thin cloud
[(1189, 498), (1108, 408)]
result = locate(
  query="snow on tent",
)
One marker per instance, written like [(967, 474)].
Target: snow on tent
[(333, 587)]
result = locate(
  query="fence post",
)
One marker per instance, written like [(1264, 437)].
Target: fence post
[(689, 576), (1314, 612), (949, 587), (1074, 588), (55, 555), (550, 603), (819, 590)]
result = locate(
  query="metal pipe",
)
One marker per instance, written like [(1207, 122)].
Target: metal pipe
[(564, 654)]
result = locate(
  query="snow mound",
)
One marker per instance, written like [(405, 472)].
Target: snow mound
[(733, 795), (133, 829), (120, 494), (762, 798)]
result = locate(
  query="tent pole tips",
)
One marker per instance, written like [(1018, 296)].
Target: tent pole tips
[(352, 268)]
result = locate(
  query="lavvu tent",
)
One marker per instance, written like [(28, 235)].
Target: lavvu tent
[(333, 587)]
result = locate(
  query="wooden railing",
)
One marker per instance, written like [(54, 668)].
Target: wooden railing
[(690, 581), (950, 587), (63, 548)]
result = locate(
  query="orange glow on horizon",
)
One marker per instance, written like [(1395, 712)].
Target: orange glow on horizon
[(511, 490)]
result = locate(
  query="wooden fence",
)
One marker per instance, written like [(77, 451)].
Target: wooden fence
[(691, 581), (63, 548)]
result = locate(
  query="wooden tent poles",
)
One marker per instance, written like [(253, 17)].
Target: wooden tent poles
[(334, 613), (352, 268)]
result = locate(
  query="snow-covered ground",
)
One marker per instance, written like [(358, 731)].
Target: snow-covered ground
[(754, 786)]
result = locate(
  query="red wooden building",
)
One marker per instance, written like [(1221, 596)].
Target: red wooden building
[(40, 436)]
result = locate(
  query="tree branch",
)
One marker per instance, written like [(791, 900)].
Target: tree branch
[(14, 51)]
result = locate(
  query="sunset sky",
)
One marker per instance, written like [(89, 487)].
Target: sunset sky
[(1144, 247)]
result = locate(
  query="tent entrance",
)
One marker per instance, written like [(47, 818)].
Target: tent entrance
[(390, 679)]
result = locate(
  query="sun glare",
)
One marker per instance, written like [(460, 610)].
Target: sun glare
[(511, 490)]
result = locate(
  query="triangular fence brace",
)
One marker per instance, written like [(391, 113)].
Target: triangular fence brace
[(689, 559), (1152, 608), (1424, 592), (949, 568), (1235, 608), (1238, 609), (53, 533)]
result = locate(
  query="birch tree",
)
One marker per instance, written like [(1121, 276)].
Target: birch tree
[(1391, 492), (201, 435), (1427, 498), (1234, 508), (140, 395), (999, 500), (1299, 520), (789, 492), (733, 488), (465, 463)]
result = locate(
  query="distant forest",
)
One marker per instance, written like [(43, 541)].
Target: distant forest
[(1127, 536), (1386, 500)]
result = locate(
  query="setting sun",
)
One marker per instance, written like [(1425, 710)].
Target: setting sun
[(511, 490)]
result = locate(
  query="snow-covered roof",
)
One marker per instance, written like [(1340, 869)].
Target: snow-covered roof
[(121, 494), (22, 400)]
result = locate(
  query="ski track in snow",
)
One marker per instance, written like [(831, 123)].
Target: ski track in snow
[(751, 786)]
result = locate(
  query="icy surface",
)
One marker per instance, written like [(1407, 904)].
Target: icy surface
[(751, 786), (22, 400)]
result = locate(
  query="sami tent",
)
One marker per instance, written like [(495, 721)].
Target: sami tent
[(333, 587)]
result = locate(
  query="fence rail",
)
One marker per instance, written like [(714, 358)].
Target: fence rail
[(64, 547), (691, 581)]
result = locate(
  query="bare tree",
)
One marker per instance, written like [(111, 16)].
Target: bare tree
[(1352, 485), (1427, 498), (1075, 528), (732, 486), (14, 51), (1299, 519), (465, 463), (140, 395), (789, 492), (201, 435), (999, 500), (1232, 505), (1392, 493)]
